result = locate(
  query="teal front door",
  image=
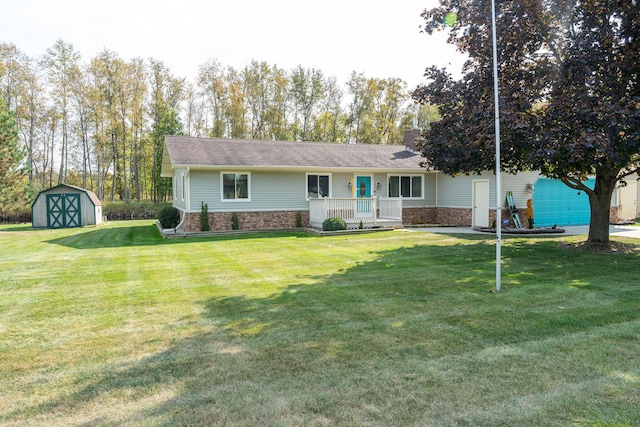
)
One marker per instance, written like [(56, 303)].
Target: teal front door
[(363, 186), (363, 191)]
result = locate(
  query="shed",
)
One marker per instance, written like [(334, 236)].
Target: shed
[(66, 206)]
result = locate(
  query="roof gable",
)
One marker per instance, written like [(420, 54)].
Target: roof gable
[(222, 152)]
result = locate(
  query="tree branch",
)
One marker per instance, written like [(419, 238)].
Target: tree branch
[(576, 184)]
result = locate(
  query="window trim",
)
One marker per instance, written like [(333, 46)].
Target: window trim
[(183, 185), (306, 184), (422, 181), (243, 200), (174, 187)]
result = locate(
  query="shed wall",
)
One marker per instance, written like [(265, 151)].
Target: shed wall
[(90, 214)]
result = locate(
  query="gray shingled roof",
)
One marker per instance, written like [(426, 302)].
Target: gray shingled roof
[(205, 152), (94, 198)]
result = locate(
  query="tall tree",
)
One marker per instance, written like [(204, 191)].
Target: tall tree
[(101, 100), (212, 82), (166, 94), (329, 123), (22, 87), (237, 112), (106, 69), (361, 103), (195, 112), (389, 104), (307, 93), (14, 179), (11, 59), (80, 95), (32, 113), (278, 110), (258, 79), (569, 89), (62, 62)]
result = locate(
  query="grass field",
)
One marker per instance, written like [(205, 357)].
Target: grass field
[(116, 326)]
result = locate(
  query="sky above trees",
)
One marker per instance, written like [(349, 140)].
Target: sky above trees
[(375, 37)]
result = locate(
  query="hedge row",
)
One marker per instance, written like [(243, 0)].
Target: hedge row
[(18, 216), (132, 210), (112, 210)]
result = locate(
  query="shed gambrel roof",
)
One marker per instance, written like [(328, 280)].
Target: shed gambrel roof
[(92, 196), (183, 151)]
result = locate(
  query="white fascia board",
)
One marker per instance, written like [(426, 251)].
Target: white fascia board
[(305, 169)]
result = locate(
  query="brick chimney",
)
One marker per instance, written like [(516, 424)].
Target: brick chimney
[(411, 138)]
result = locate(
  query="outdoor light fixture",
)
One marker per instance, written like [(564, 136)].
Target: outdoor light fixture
[(529, 188), (349, 184), (378, 185)]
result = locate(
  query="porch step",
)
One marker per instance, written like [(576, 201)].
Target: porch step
[(378, 223)]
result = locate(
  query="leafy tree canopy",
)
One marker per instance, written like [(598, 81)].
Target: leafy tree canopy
[(14, 180), (569, 93)]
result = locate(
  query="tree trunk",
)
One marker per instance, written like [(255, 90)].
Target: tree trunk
[(600, 202)]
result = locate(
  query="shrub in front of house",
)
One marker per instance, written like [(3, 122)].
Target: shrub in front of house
[(235, 223), (334, 224), (204, 217), (169, 217)]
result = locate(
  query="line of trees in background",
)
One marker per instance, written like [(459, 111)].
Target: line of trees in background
[(101, 124)]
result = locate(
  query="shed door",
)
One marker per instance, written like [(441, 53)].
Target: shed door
[(63, 210), (628, 201), (556, 203)]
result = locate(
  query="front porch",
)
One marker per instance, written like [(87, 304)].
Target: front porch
[(372, 212)]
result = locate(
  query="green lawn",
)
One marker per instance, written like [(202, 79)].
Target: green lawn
[(115, 326)]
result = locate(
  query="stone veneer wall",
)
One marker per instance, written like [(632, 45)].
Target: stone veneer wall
[(522, 213), (419, 215), (613, 214), (221, 221), (464, 216), (453, 216)]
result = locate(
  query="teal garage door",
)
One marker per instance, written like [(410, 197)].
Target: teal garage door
[(555, 203)]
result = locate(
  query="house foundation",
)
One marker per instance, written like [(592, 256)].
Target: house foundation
[(462, 217), (419, 215), (221, 221)]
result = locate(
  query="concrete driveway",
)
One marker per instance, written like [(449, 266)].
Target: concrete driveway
[(614, 230)]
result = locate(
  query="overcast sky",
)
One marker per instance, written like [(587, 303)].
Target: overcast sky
[(380, 38)]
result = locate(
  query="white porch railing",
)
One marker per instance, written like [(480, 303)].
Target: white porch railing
[(370, 210)]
